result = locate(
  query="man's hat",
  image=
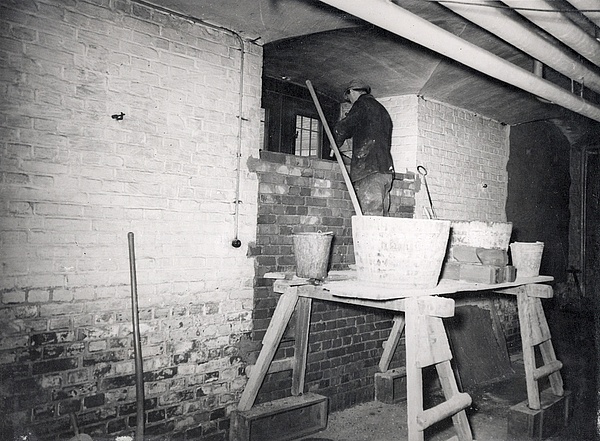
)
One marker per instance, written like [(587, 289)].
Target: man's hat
[(357, 84)]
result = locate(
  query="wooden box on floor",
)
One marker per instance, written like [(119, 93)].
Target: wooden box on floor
[(280, 420), (528, 424), (390, 386)]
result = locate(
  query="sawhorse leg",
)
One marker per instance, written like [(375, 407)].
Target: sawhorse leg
[(535, 332), (391, 343), (301, 344), (427, 345), (281, 317)]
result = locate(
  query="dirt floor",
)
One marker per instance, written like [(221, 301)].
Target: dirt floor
[(573, 339)]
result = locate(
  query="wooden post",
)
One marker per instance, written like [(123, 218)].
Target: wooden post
[(426, 345), (450, 388), (391, 343), (533, 391), (281, 317), (414, 377), (301, 344)]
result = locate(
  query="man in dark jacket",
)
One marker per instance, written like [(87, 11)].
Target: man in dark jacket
[(369, 125)]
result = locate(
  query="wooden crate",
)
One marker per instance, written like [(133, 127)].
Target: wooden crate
[(281, 420), (528, 424), (390, 386)]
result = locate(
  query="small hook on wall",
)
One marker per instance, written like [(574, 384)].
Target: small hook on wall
[(118, 116)]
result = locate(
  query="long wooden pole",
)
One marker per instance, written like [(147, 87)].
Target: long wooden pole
[(137, 345), (335, 149)]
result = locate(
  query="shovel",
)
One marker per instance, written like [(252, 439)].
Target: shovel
[(428, 210)]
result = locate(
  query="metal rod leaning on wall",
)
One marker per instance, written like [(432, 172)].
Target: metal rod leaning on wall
[(335, 149), (137, 346)]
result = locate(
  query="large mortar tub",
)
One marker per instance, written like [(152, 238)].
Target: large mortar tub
[(399, 251)]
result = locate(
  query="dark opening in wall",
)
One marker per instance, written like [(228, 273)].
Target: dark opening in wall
[(292, 123), (538, 192)]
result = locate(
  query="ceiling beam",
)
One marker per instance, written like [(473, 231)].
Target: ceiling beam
[(497, 21), (393, 18), (547, 17), (589, 8)]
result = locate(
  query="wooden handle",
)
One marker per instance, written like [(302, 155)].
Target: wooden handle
[(137, 343), (335, 149)]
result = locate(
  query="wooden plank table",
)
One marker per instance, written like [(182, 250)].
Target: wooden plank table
[(420, 313)]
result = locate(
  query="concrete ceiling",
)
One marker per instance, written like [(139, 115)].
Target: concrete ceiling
[(309, 40)]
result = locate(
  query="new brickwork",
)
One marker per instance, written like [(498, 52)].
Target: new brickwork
[(298, 194)]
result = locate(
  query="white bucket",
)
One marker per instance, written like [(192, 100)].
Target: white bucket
[(311, 251), (399, 251), (527, 258)]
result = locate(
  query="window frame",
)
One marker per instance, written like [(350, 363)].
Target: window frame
[(283, 103), (313, 151)]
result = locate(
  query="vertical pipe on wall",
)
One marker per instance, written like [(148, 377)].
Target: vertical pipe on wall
[(236, 243)]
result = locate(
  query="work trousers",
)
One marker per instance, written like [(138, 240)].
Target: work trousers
[(373, 194)]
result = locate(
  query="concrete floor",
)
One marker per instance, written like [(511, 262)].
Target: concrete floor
[(573, 339)]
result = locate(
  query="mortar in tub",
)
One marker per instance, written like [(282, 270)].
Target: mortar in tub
[(399, 251)]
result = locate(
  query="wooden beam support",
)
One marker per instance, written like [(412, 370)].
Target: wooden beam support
[(301, 344), (285, 364), (281, 317), (436, 306), (547, 369), (419, 314), (444, 410), (533, 290), (390, 345)]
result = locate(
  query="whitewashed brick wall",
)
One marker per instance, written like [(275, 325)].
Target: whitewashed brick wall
[(465, 156), (75, 181), (404, 113)]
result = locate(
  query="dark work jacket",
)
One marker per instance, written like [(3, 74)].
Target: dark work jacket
[(369, 125)]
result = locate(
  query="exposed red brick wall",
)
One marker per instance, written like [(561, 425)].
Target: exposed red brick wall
[(509, 319), (305, 194)]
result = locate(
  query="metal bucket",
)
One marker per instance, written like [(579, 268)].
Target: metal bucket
[(399, 251), (527, 258), (311, 251)]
